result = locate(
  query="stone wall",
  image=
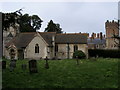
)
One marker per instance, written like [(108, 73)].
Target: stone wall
[(63, 50), (30, 49), (111, 29)]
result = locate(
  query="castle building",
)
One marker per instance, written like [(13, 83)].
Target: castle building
[(112, 28), (96, 41)]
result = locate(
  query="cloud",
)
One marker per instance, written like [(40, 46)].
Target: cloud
[(72, 16)]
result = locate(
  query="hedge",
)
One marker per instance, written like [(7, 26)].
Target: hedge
[(105, 53)]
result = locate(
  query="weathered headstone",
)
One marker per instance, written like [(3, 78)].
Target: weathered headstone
[(3, 64), (24, 66), (46, 64), (12, 65), (33, 66)]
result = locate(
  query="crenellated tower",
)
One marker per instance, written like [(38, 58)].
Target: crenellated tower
[(111, 30)]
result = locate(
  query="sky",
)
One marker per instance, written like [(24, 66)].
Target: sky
[(73, 17)]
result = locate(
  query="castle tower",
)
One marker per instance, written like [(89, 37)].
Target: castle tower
[(111, 30)]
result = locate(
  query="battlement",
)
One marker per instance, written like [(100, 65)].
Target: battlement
[(111, 23)]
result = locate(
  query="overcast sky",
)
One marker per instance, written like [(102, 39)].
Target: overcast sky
[(73, 17)]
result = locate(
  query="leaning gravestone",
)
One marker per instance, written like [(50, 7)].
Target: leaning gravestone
[(12, 65), (33, 66), (3, 64)]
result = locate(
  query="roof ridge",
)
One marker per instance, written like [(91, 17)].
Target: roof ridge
[(71, 34), (27, 32), (46, 32)]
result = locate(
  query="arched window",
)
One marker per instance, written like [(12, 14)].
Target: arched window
[(75, 48), (36, 48)]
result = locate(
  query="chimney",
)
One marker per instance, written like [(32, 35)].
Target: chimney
[(101, 37), (98, 36), (87, 35), (112, 21), (104, 36), (92, 36)]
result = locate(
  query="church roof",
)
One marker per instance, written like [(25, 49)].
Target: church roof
[(47, 36), (23, 39), (71, 39)]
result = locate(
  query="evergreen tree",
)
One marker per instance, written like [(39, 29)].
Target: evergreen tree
[(52, 27)]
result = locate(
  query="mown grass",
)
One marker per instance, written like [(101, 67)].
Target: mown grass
[(102, 73)]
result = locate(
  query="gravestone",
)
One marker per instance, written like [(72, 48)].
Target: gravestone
[(33, 66), (3, 64), (46, 64), (24, 66), (12, 65)]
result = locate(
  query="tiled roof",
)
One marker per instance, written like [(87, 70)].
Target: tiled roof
[(71, 39), (47, 36), (23, 39), (96, 41)]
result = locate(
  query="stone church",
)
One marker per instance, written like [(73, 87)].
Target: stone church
[(38, 45)]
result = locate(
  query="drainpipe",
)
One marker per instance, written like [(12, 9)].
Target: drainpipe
[(68, 53)]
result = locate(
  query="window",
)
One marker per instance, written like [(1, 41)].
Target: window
[(97, 46), (75, 48), (36, 48), (56, 48)]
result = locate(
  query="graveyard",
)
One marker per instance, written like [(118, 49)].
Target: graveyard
[(82, 73)]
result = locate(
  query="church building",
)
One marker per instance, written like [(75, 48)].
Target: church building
[(38, 45)]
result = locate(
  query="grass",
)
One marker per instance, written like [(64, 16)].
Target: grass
[(102, 73)]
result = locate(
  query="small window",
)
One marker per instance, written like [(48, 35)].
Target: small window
[(75, 48), (36, 48), (97, 46)]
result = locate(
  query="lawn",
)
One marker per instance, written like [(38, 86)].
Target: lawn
[(99, 73)]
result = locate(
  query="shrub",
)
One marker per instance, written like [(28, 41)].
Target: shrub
[(80, 54), (104, 53)]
